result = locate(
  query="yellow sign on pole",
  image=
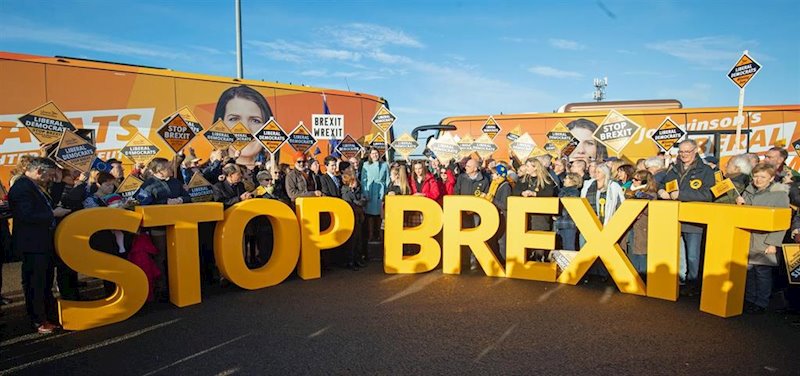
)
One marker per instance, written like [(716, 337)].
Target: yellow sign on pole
[(241, 136), (559, 136), (127, 189), (176, 132), (140, 150), (384, 119), (616, 131), (405, 145), (491, 127), (47, 123), (523, 147), (667, 134), (76, 151), (744, 70), (219, 136), (445, 148)]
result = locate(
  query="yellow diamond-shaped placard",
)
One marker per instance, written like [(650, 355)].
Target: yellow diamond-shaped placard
[(129, 186), (667, 134), (199, 189), (76, 151), (384, 119), (523, 147), (219, 136), (514, 134), (616, 131), (491, 127), (241, 136), (272, 136), (559, 136), (140, 150), (484, 146), (405, 145), (301, 139), (47, 123), (444, 148), (349, 147), (379, 143), (465, 146), (176, 133), (188, 117), (744, 70)]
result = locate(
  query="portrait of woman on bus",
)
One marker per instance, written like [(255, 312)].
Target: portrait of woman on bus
[(246, 105), (588, 149)]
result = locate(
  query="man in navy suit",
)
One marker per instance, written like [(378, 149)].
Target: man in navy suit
[(34, 224), (330, 181)]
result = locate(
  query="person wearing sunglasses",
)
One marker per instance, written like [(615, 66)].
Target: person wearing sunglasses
[(299, 182)]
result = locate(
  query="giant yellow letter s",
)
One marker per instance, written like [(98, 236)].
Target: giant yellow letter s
[(72, 245)]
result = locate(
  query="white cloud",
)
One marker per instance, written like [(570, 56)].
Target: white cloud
[(26, 31), (712, 52), (566, 44), (300, 52), (553, 72), (361, 36)]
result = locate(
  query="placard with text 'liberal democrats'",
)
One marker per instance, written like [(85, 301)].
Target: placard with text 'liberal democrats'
[(272, 136), (379, 143), (491, 127), (484, 146), (176, 133), (128, 188), (199, 189), (405, 145), (616, 131), (47, 123), (349, 147), (465, 146), (241, 136), (140, 150), (301, 139), (667, 134), (744, 70), (514, 134), (444, 147), (523, 147), (384, 119), (327, 127), (219, 136), (76, 151), (559, 136)]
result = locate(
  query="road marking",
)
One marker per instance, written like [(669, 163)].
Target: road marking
[(190, 357), (415, 287), (319, 332), (89, 347)]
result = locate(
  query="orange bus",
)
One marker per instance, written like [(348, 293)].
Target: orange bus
[(713, 128), (117, 101)]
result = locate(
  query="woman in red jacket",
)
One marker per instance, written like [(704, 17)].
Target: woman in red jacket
[(447, 182), (424, 183)]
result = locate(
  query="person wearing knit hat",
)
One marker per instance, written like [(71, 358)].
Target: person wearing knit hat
[(499, 190)]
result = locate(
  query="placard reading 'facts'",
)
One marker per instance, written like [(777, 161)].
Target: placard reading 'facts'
[(272, 136), (140, 150), (219, 136), (47, 123)]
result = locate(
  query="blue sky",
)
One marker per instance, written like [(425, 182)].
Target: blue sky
[(443, 58)]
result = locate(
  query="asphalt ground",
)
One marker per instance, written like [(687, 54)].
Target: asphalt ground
[(368, 322)]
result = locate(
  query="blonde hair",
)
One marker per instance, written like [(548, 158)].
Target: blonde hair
[(402, 180), (542, 175)]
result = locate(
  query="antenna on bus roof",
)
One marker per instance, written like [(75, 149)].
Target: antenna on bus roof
[(600, 89), (347, 83)]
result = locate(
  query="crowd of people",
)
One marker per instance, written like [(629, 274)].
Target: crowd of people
[(42, 193)]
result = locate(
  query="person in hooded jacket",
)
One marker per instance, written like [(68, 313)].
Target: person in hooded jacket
[(762, 259), (499, 190)]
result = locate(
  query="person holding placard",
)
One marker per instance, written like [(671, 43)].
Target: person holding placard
[(738, 170), (762, 260), (689, 180), (243, 104)]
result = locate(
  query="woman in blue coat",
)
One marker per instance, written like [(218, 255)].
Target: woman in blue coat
[(374, 180)]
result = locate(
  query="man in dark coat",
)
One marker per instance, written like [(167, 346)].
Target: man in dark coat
[(693, 180), (34, 225), (330, 182), (471, 183)]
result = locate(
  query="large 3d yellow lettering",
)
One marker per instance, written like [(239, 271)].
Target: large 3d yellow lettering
[(395, 236), (72, 245), (229, 238), (313, 240), (183, 258), (475, 238), (601, 242), (663, 237), (727, 248), (519, 239)]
